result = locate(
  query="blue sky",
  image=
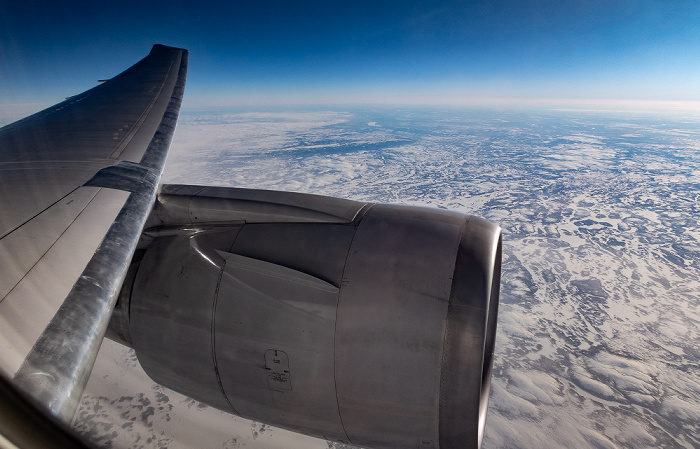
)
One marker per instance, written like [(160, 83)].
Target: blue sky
[(262, 52)]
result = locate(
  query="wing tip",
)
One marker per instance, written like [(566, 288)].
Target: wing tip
[(157, 48)]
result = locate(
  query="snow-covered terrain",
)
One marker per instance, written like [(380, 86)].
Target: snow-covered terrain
[(597, 344)]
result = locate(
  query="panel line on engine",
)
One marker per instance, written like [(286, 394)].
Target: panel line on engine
[(213, 338)]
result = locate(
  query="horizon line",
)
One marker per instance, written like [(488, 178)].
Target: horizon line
[(10, 112)]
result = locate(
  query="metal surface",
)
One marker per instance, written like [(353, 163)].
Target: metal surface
[(171, 328), (378, 331), (391, 322), (50, 226), (58, 366), (182, 204), (31, 187), (126, 176), (31, 303), (46, 156), (25, 424), (465, 382), (118, 328), (261, 307), (313, 248)]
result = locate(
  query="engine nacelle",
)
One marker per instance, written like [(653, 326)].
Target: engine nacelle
[(359, 323)]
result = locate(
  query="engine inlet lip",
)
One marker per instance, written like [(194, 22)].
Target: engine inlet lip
[(490, 340), (470, 331)]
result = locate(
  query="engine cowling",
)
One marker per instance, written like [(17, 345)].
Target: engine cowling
[(359, 323)]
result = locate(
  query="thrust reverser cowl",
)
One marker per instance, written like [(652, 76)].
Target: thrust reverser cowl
[(373, 326)]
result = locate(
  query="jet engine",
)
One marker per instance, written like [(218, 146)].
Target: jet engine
[(359, 323)]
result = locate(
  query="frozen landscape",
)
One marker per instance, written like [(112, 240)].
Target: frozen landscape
[(597, 342)]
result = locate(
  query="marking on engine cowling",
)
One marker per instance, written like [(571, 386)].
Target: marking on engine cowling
[(277, 367)]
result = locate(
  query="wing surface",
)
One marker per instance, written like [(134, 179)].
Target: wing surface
[(77, 181)]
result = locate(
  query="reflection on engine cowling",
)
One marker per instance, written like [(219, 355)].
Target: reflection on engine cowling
[(359, 323)]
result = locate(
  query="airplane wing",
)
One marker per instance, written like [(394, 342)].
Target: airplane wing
[(355, 322), (77, 182)]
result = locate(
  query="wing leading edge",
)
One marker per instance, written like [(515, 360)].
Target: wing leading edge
[(77, 183)]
